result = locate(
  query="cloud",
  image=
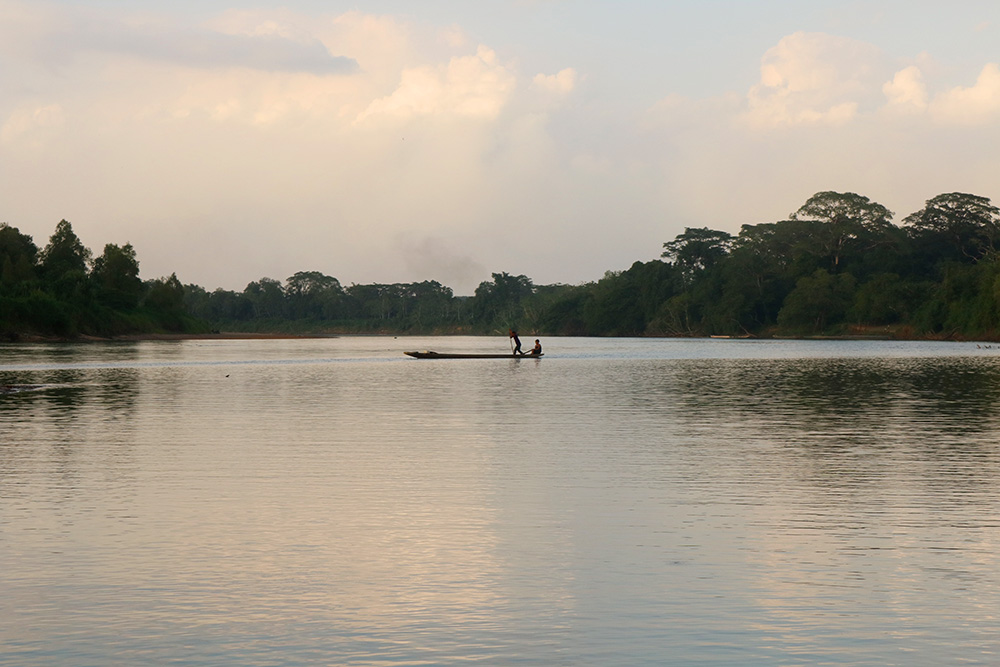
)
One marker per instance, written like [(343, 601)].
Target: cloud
[(206, 49), (814, 79), (196, 156), (65, 37), (562, 83), (907, 90), (32, 123), (436, 158), (974, 105), (838, 114), (473, 86)]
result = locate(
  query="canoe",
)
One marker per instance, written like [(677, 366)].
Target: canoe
[(427, 354)]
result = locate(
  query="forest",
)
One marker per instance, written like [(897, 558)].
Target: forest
[(63, 291), (837, 266)]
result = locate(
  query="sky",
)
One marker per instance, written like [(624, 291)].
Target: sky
[(402, 141)]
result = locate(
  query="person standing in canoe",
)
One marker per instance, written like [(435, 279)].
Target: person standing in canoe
[(537, 350), (517, 341)]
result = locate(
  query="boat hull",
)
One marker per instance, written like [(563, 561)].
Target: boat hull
[(427, 354)]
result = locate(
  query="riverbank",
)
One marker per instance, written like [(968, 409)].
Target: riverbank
[(34, 338), (856, 332)]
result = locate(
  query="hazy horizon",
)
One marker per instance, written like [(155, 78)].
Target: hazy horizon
[(446, 141)]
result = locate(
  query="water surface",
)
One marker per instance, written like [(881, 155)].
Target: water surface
[(331, 501)]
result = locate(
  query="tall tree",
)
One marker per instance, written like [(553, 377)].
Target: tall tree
[(499, 302), (18, 254), (64, 254), (267, 297), (165, 298), (311, 294), (116, 276), (846, 223), (956, 226), (832, 207), (697, 249)]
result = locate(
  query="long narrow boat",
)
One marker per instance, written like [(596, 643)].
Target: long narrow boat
[(427, 354)]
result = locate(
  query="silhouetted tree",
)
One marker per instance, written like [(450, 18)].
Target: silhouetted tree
[(116, 276), (697, 250), (498, 302), (18, 254), (957, 227), (63, 264)]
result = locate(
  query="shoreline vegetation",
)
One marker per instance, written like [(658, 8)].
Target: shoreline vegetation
[(838, 267), (895, 334)]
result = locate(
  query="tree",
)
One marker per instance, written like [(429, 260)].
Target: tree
[(165, 298), (64, 254), (311, 294), (499, 301), (310, 282), (429, 301), (18, 254), (818, 301), (956, 226), (832, 207), (63, 263), (267, 297), (697, 249), (116, 276), (614, 308), (846, 223)]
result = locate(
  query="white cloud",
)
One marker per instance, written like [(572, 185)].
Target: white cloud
[(32, 124), (839, 116), (814, 79), (973, 105), (436, 159), (473, 86), (561, 83), (907, 90), (255, 157)]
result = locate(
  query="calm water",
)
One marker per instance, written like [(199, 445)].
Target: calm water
[(618, 502)]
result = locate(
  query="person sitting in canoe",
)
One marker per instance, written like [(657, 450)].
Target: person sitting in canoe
[(537, 350), (517, 342)]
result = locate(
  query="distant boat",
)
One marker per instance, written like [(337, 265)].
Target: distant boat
[(427, 354)]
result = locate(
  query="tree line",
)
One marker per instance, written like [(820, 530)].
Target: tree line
[(837, 265), (63, 290)]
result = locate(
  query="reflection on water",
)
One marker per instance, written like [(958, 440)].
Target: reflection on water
[(618, 502)]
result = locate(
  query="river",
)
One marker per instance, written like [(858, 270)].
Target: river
[(616, 502)]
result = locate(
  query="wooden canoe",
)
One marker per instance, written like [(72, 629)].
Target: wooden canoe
[(427, 354)]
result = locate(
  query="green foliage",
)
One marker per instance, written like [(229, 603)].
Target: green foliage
[(116, 277), (18, 254), (697, 250), (310, 294), (817, 300), (613, 308), (65, 254), (498, 303), (955, 227), (558, 309), (165, 301), (881, 300), (836, 263), (844, 226)]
